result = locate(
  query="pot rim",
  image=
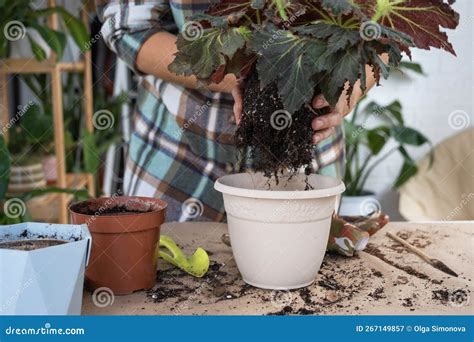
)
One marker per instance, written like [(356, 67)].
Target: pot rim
[(163, 206), (268, 194)]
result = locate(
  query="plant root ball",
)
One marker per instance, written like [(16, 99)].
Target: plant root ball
[(276, 140)]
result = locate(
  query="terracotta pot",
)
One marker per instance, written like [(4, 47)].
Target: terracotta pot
[(123, 256), (50, 168)]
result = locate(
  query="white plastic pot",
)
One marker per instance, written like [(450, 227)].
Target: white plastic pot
[(279, 233), (46, 281), (359, 205)]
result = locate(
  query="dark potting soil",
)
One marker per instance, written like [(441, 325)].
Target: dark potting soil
[(30, 245), (373, 250), (275, 139), (112, 211)]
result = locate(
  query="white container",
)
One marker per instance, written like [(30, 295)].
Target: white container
[(46, 281), (279, 233), (359, 205)]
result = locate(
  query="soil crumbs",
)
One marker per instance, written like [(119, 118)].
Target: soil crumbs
[(340, 280)]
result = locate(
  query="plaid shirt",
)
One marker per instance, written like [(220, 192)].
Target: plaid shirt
[(183, 138)]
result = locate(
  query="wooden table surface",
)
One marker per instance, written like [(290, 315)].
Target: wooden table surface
[(384, 279)]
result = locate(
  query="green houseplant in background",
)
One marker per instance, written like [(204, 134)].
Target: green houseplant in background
[(13, 207), (20, 18), (370, 130), (84, 151)]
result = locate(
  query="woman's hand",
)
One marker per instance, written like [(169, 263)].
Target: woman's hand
[(323, 125), (238, 101)]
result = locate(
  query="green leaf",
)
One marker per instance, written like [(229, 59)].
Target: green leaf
[(415, 67), (337, 7), (56, 40), (408, 170), (77, 29), (376, 140), (37, 125), (91, 153), (291, 60), (338, 38), (5, 163), (410, 136), (345, 69), (203, 55), (39, 53)]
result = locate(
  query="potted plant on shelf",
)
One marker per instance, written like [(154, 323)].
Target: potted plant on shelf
[(288, 52), (31, 138), (43, 267), (365, 152), (13, 206), (21, 19)]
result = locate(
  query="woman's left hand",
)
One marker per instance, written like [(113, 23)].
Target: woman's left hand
[(323, 125)]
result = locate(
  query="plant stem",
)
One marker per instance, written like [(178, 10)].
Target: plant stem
[(281, 9), (372, 167)]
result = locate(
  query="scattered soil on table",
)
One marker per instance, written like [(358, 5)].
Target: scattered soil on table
[(340, 280), (375, 251), (30, 245)]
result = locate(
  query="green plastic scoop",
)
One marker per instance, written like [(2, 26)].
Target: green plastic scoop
[(196, 265)]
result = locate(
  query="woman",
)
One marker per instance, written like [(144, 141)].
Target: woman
[(183, 133)]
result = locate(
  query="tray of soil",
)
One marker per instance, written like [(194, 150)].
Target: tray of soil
[(279, 231), (126, 232), (43, 268)]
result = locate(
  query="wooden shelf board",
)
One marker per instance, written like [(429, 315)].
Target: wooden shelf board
[(46, 208), (31, 66)]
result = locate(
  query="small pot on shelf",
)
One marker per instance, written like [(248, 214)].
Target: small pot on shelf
[(50, 168), (26, 176), (126, 232), (362, 205), (279, 232)]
